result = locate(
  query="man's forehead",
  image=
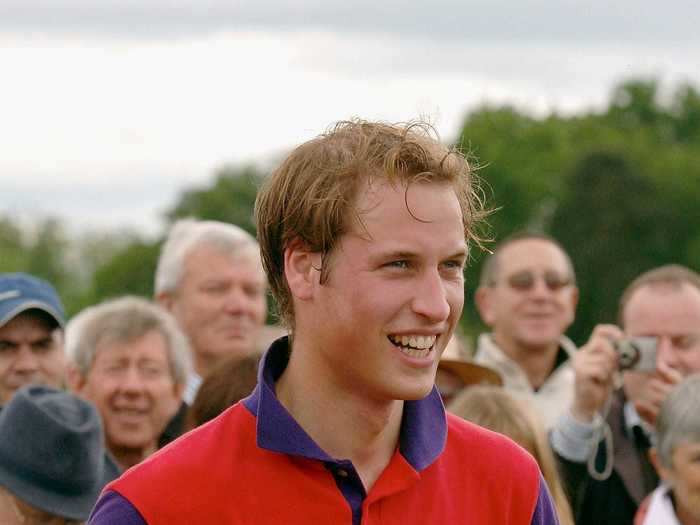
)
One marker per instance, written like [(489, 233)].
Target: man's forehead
[(671, 306), (37, 319), (199, 259), (527, 253)]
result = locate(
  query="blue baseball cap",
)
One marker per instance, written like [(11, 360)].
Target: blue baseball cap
[(20, 292)]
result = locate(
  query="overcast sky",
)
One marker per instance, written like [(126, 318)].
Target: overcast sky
[(109, 109)]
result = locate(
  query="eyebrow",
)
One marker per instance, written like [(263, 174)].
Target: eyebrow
[(461, 253)]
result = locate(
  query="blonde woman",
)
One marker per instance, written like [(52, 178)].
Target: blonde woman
[(495, 409)]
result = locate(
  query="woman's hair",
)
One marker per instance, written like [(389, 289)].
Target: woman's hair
[(679, 419), (495, 409), (231, 381)]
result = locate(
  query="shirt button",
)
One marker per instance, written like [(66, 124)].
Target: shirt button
[(342, 473)]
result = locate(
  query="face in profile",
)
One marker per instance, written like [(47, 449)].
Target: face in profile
[(533, 299), (394, 292), (683, 476), (31, 352), (220, 303), (132, 385)]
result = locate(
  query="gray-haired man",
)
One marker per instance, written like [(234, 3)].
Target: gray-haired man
[(210, 278)]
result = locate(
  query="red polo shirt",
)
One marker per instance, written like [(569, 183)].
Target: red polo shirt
[(255, 464)]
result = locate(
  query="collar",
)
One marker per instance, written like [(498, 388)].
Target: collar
[(632, 419), (422, 436), (486, 342), (194, 381)]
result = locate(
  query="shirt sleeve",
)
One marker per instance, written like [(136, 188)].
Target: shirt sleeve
[(114, 509), (573, 439), (545, 513)]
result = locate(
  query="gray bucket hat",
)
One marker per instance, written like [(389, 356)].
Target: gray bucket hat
[(52, 453)]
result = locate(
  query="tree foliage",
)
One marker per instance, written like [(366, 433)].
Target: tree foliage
[(618, 187)]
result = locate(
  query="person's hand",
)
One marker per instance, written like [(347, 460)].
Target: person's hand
[(594, 366), (649, 397)]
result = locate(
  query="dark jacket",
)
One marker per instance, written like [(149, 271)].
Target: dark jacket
[(615, 500)]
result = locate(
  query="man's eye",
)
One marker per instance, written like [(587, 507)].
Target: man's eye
[(43, 346), (398, 264), (454, 265)]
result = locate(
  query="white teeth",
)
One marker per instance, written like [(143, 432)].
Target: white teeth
[(414, 353), (414, 342)]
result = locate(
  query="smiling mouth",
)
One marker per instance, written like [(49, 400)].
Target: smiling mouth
[(413, 345)]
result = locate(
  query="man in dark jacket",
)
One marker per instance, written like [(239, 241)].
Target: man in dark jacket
[(602, 443)]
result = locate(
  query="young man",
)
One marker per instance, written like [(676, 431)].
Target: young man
[(31, 334), (363, 233), (527, 296), (663, 303)]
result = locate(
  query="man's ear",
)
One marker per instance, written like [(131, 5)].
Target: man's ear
[(301, 267), (165, 299), (483, 301), (74, 378), (656, 461), (575, 296)]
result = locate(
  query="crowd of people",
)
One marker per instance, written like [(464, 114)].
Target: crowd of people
[(363, 405)]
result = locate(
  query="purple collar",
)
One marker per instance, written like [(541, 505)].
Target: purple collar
[(423, 427)]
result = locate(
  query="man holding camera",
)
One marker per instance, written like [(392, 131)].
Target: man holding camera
[(602, 442)]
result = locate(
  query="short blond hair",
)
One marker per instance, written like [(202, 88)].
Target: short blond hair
[(310, 197)]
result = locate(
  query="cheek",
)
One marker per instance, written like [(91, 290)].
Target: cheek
[(691, 361), (99, 394)]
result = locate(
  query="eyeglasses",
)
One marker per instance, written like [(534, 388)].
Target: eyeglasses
[(525, 280)]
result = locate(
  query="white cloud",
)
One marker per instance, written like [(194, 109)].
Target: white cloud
[(109, 130)]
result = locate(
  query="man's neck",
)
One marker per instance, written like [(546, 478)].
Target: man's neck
[(127, 457), (537, 362), (345, 424)]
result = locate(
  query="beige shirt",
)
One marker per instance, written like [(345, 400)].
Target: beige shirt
[(552, 399)]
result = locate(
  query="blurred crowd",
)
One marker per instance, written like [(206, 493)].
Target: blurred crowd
[(614, 425)]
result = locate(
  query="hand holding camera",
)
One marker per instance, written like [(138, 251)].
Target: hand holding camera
[(594, 368)]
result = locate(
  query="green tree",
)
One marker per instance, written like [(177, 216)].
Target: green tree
[(610, 223), (230, 198)]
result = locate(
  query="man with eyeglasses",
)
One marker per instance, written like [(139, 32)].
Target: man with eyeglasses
[(603, 443), (527, 295)]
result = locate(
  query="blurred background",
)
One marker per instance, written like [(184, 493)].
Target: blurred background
[(116, 117)]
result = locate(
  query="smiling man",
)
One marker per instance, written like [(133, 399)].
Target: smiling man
[(128, 357), (363, 233), (527, 296)]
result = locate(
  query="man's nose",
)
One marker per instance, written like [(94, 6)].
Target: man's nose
[(132, 380), (430, 300), (27, 361), (236, 300)]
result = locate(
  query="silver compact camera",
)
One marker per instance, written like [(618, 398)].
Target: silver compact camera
[(636, 353)]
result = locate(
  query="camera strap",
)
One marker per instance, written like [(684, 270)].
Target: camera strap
[(601, 435)]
